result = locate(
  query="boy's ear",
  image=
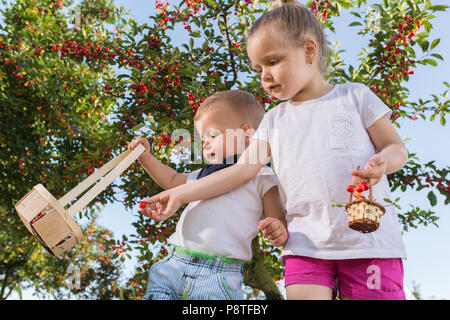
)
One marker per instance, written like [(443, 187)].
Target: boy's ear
[(246, 127), (248, 130)]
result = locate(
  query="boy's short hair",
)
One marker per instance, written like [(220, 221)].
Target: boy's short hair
[(242, 103)]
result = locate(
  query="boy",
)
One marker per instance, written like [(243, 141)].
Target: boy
[(213, 237)]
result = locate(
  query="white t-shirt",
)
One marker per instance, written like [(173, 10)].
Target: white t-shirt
[(315, 145), (225, 225)]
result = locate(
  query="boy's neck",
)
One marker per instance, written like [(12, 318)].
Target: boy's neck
[(231, 159)]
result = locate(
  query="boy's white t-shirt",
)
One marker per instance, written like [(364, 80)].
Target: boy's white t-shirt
[(225, 225), (315, 145)]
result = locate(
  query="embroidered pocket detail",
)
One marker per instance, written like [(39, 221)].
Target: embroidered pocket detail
[(345, 132)]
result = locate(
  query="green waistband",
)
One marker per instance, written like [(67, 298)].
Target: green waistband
[(206, 256)]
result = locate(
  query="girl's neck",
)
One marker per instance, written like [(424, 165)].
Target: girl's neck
[(313, 90)]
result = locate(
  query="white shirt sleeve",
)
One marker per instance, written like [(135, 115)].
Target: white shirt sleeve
[(263, 131), (372, 108), (267, 179), (193, 175)]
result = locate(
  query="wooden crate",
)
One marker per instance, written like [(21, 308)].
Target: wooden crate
[(45, 217)]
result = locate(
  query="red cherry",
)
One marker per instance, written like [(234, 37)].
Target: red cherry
[(366, 185), (350, 188), (360, 188), (142, 204)]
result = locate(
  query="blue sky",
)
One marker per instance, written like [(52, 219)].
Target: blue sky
[(428, 262)]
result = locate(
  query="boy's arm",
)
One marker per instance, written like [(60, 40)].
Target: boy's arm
[(274, 225), (392, 154), (163, 175)]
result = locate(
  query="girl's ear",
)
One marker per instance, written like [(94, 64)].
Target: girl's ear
[(311, 50)]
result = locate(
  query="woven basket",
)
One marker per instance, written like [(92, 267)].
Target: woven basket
[(364, 215)]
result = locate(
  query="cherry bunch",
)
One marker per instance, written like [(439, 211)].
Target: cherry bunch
[(320, 8), (395, 64), (265, 100), (358, 189), (193, 102)]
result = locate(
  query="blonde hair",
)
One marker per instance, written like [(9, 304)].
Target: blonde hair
[(297, 21), (241, 103)]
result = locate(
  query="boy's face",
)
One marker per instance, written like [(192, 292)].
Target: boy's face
[(222, 134), (282, 66)]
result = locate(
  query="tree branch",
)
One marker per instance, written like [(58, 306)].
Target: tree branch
[(259, 277)]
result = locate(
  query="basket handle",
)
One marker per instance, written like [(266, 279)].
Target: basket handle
[(110, 171), (370, 192)]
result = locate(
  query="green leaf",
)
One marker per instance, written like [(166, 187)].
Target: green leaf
[(335, 204), (437, 56), (185, 293), (424, 45), (432, 198), (434, 43), (356, 23), (356, 14), (431, 61), (438, 8), (195, 34), (137, 127)]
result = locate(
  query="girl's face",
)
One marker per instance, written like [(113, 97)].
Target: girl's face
[(283, 67)]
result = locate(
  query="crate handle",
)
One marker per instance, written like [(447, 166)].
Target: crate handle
[(110, 171)]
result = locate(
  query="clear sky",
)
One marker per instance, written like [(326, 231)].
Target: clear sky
[(428, 262)]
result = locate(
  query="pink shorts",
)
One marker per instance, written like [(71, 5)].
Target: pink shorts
[(356, 279)]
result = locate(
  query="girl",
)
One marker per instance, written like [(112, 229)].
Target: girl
[(315, 138)]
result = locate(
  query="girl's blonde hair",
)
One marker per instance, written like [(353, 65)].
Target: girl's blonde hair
[(297, 21)]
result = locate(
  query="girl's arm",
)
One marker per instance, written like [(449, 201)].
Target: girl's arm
[(253, 158), (163, 175), (392, 154)]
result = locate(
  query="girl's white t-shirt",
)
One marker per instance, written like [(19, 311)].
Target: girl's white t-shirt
[(315, 145)]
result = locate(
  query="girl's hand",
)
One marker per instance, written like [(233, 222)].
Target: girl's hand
[(373, 170), (163, 205), (133, 144), (274, 230), (147, 208)]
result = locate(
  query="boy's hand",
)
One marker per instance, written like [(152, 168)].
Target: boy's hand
[(133, 144), (163, 205), (274, 230), (373, 170)]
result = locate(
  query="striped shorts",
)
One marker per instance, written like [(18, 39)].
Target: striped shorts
[(179, 276)]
